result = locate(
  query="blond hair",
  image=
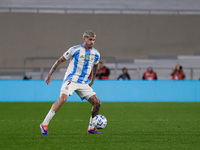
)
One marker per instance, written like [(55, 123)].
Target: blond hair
[(89, 33)]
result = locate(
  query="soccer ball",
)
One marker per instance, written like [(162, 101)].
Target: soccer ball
[(99, 121)]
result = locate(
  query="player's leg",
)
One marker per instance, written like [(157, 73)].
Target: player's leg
[(85, 91), (55, 107), (62, 99), (96, 104), (66, 90)]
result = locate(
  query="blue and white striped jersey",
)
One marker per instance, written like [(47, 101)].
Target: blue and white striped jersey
[(81, 63)]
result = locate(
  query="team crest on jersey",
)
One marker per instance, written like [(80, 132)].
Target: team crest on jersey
[(92, 57), (87, 56)]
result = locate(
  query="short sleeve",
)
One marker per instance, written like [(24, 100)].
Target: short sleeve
[(97, 58), (68, 54)]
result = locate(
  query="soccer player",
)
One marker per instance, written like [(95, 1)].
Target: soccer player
[(82, 59)]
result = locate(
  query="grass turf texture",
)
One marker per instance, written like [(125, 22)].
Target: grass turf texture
[(150, 126)]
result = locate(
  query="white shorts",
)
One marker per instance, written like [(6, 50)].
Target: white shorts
[(83, 90)]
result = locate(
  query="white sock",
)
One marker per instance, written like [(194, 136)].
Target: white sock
[(48, 117), (91, 126)]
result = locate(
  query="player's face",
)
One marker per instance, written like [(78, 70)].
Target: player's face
[(89, 42)]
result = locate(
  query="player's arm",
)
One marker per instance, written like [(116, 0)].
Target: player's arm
[(53, 68), (94, 73)]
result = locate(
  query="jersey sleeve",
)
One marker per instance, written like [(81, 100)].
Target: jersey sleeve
[(68, 54), (97, 58)]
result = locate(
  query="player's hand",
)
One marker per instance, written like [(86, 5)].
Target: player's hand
[(48, 79), (91, 82)]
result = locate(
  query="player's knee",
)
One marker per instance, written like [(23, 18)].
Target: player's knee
[(62, 99), (98, 104), (94, 100)]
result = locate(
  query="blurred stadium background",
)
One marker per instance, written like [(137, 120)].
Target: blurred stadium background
[(130, 33)]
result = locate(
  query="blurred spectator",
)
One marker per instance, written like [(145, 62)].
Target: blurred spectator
[(124, 75), (149, 74), (27, 78), (103, 72), (178, 73)]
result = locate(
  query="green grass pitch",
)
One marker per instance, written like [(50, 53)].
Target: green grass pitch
[(131, 126)]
